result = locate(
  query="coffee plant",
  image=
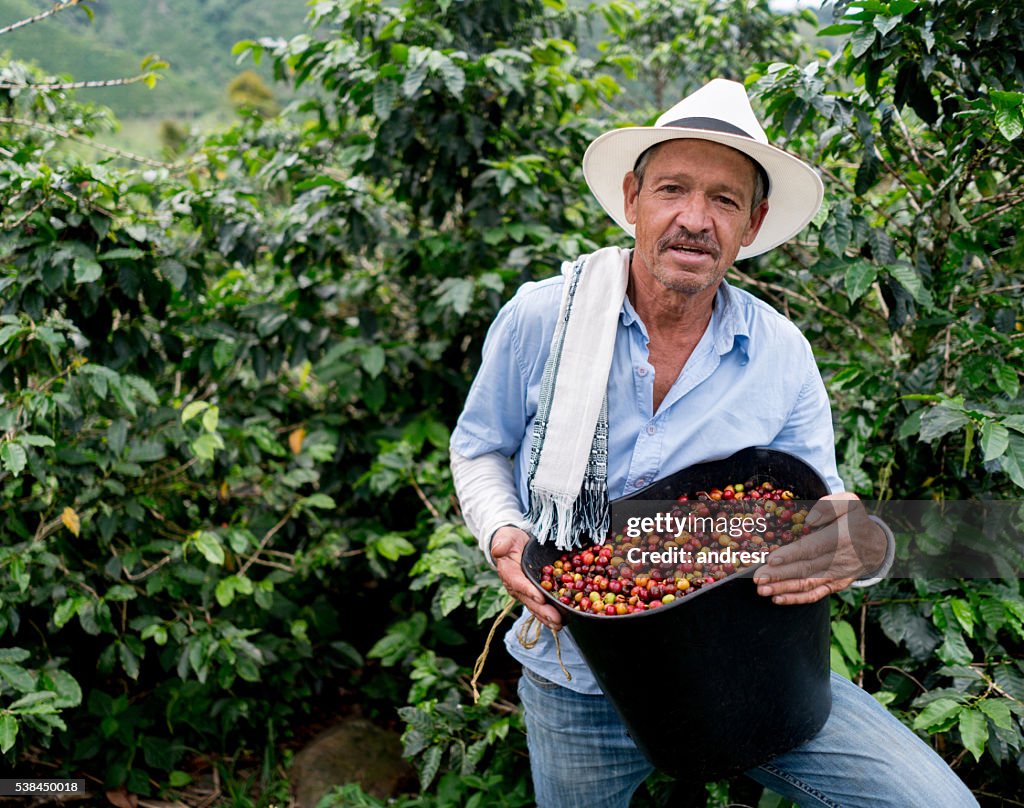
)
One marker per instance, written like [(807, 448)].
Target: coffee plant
[(227, 382)]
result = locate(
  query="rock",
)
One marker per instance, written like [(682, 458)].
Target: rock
[(355, 751)]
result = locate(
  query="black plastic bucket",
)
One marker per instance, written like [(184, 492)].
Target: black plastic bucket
[(721, 680)]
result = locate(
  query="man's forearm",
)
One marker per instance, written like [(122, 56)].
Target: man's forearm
[(487, 495)]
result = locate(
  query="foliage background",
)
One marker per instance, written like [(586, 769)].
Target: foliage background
[(228, 381)]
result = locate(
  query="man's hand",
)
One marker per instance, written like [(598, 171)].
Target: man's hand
[(507, 551), (844, 546)]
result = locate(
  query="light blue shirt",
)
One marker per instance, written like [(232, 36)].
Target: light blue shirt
[(751, 381)]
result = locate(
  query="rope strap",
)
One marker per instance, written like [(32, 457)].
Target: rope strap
[(531, 625)]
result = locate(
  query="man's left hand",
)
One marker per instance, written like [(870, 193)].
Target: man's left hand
[(843, 546)]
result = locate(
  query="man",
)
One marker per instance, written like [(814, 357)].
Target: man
[(636, 364)]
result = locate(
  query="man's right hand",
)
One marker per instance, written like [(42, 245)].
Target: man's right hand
[(507, 551)]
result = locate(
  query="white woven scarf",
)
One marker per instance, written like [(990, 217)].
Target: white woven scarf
[(568, 478)]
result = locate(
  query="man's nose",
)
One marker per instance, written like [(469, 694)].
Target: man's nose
[(694, 213)]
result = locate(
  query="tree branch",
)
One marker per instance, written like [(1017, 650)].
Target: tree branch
[(76, 85), (57, 8), (65, 133), (811, 301), (24, 217), (263, 543)]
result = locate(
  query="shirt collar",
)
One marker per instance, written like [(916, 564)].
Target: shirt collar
[(728, 327)]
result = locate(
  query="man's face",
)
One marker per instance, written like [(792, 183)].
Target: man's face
[(692, 214)]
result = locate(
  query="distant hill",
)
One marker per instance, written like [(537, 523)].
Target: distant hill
[(195, 36)]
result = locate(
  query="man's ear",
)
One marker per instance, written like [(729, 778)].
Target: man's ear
[(754, 225), (630, 191)]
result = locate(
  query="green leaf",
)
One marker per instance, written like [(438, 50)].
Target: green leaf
[(87, 269), (321, 501), (373, 359), (385, 92), (974, 731), (908, 278), (1010, 123), (209, 545), (8, 332), (67, 609), (224, 353), (994, 439), (206, 445), (456, 293), (1007, 99), (177, 779), (32, 703), (911, 426), (35, 440), (450, 598), (885, 24), (392, 546), (157, 632), (859, 277), (175, 273), (416, 72), (453, 76), (211, 418), (839, 28), (122, 253), (129, 661), (942, 419), (843, 633), (431, 763), (18, 677), (954, 650), (837, 663), (69, 693), (8, 732), (999, 711), (936, 713), (13, 457), (862, 40), (1007, 379), (963, 614), (1013, 461), (438, 434), (120, 592), (225, 591), (192, 410)]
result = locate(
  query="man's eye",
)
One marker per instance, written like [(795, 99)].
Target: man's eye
[(725, 200), (670, 189)]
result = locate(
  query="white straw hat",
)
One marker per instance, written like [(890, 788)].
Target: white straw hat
[(720, 112)]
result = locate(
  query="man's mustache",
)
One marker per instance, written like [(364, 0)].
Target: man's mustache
[(686, 238)]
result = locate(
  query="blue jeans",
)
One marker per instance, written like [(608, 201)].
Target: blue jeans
[(863, 757)]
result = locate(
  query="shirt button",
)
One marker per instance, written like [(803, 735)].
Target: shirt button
[(651, 429), (641, 371), (640, 483)]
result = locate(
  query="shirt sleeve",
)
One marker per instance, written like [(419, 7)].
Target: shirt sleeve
[(494, 417), (491, 429), (808, 431), (487, 496)]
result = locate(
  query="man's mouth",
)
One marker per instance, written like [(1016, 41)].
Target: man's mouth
[(690, 248)]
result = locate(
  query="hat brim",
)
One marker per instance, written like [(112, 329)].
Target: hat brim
[(795, 189)]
